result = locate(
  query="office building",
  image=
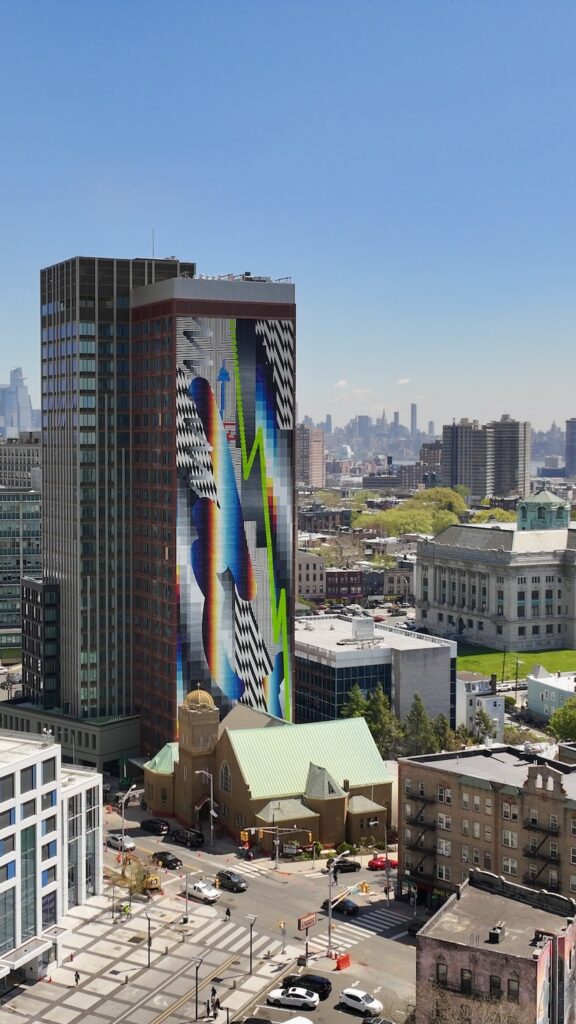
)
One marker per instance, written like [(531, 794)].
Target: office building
[(502, 808), (511, 586), (489, 460), (310, 458), (15, 406), (497, 951), (21, 461), (431, 428), (570, 448), (213, 484), (20, 555), (50, 852), (413, 420), (333, 653)]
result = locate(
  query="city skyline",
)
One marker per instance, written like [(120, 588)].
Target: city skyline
[(410, 169)]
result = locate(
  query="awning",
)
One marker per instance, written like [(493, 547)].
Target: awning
[(24, 954)]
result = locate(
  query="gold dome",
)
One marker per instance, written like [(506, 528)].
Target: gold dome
[(198, 698)]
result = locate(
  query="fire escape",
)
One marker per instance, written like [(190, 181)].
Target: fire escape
[(537, 851), (423, 828)]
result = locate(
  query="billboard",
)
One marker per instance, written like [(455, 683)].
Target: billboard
[(235, 472)]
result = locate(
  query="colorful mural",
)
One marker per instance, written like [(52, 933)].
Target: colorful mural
[(235, 461)]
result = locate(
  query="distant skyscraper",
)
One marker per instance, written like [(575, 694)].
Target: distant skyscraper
[(328, 423), (571, 447), (512, 448), (310, 459), (431, 430), (15, 406), (413, 419), (489, 460)]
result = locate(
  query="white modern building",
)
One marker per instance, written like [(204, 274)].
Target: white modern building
[(335, 652), (474, 695), (548, 691), (50, 851)]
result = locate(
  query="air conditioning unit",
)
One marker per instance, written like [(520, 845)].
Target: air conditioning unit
[(464, 858)]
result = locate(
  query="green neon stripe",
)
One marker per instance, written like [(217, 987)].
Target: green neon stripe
[(278, 607)]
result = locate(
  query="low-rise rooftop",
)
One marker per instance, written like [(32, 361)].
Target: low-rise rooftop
[(337, 633), (505, 765)]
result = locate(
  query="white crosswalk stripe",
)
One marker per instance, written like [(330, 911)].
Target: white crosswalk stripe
[(345, 934), (235, 938)]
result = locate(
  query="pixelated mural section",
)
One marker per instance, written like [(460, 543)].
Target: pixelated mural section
[(235, 463)]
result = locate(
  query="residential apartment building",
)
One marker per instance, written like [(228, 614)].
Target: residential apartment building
[(310, 456), (548, 691), (335, 652), (503, 585), (493, 459), (502, 947), (311, 576), (20, 555), (344, 585), (500, 808), (320, 519), (50, 852), (21, 461), (474, 695)]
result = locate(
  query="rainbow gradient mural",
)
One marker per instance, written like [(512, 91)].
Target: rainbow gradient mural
[(235, 461)]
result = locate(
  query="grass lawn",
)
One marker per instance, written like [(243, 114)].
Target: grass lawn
[(487, 661)]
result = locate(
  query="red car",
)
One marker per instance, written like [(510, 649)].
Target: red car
[(381, 864)]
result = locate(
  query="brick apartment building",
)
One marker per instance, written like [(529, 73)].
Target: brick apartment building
[(505, 810)]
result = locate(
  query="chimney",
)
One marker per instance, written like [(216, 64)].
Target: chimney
[(346, 785), (493, 682)]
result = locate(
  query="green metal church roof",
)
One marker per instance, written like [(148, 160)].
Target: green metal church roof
[(164, 760), (275, 762)]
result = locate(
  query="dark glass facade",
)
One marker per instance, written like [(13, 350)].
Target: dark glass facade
[(321, 691)]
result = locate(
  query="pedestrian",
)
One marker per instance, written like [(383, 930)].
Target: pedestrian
[(213, 993), (207, 1007), (77, 978), (216, 1006), (227, 915)]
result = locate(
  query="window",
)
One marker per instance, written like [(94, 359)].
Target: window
[(49, 850), (7, 845), (510, 811), (495, 986), (445, 822), (476, 829), (487, 833), (465, 982), (509, 866), (554, 821), (510, 839), (465, 827), (6, 788), (49, 770), (8, 871), (443, 872), (573, 854), (487, 861), (534, 817), (421, 789), (466, 803), (488, 806), (572, 883), (7, 818), (444, 848), (441, 973), (28, 809), (464, 854), (513, 990), (48, 800), (444, 795), (477, 804), (476, 856), (27, 779), (49, 825), (48, 876), (225, 778), (407, 787)]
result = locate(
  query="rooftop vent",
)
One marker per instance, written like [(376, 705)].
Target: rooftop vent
[(497, 933)]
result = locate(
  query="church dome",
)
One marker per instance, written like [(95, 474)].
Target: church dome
[(198, 698)]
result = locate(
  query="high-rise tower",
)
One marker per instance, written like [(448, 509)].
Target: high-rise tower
[(571, 447)]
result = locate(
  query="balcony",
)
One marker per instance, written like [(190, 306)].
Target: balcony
[(416, 820), (540, 854), (416, 844), (541, 883), (542, 826)]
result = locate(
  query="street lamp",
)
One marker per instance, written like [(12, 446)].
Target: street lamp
[(330, 878), (209, 775), (277, 836), (518, 662), (197, 961), (123, 801), (146, 915), (251, 918)]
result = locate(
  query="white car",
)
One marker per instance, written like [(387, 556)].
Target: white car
[(204, 891), (114, 839), (359, 1001), (303, 998)]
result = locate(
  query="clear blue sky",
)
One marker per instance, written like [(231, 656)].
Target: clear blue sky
[(410, 163)]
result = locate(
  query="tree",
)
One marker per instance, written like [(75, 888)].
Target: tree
[(356, 705), (562, 724), (436, 1005), (385, 728), (419, 737), (441, 729), (483, 725), (499, 515), (442, 519)]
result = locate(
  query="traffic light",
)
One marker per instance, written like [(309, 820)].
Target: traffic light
[(244, 836), (260, 833), (309, 834)]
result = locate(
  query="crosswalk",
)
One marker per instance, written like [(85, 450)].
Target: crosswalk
[(346, 934), (234, 937)]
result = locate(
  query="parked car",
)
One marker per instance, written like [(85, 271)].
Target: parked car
[(360, 1002), (115, 840), (232, 881), (204, 891), (345, 906), (344, 864), (303, 998), (382, 863), (167, 860), (187, 837), (315, 982), (157, 826)]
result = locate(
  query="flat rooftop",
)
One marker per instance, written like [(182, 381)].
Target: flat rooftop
[(16, 746), (566, 681), (501, 764), (223, 289), (467, 922), (335, 634)]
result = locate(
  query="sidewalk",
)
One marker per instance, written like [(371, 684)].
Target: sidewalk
[(117, 985)]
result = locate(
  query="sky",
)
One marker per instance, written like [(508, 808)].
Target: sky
[(410, 164)]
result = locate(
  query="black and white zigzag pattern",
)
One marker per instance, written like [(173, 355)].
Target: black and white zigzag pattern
[(252, 661), (278, 337), (192, 447)]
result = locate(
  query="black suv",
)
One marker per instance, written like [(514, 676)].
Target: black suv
[(187, 837), (314, 982), (344, 865), (342, 906), (232, 881), (157, 826)]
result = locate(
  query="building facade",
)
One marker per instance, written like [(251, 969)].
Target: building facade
[(21, 460), (50, 852), (20, 555), (311, 576), (493, 459), (213, 490), (570, 454), (474, 695), (334, 653), (548, 691), (310, 456), (502, 585), (502, 809), (87, 474)]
